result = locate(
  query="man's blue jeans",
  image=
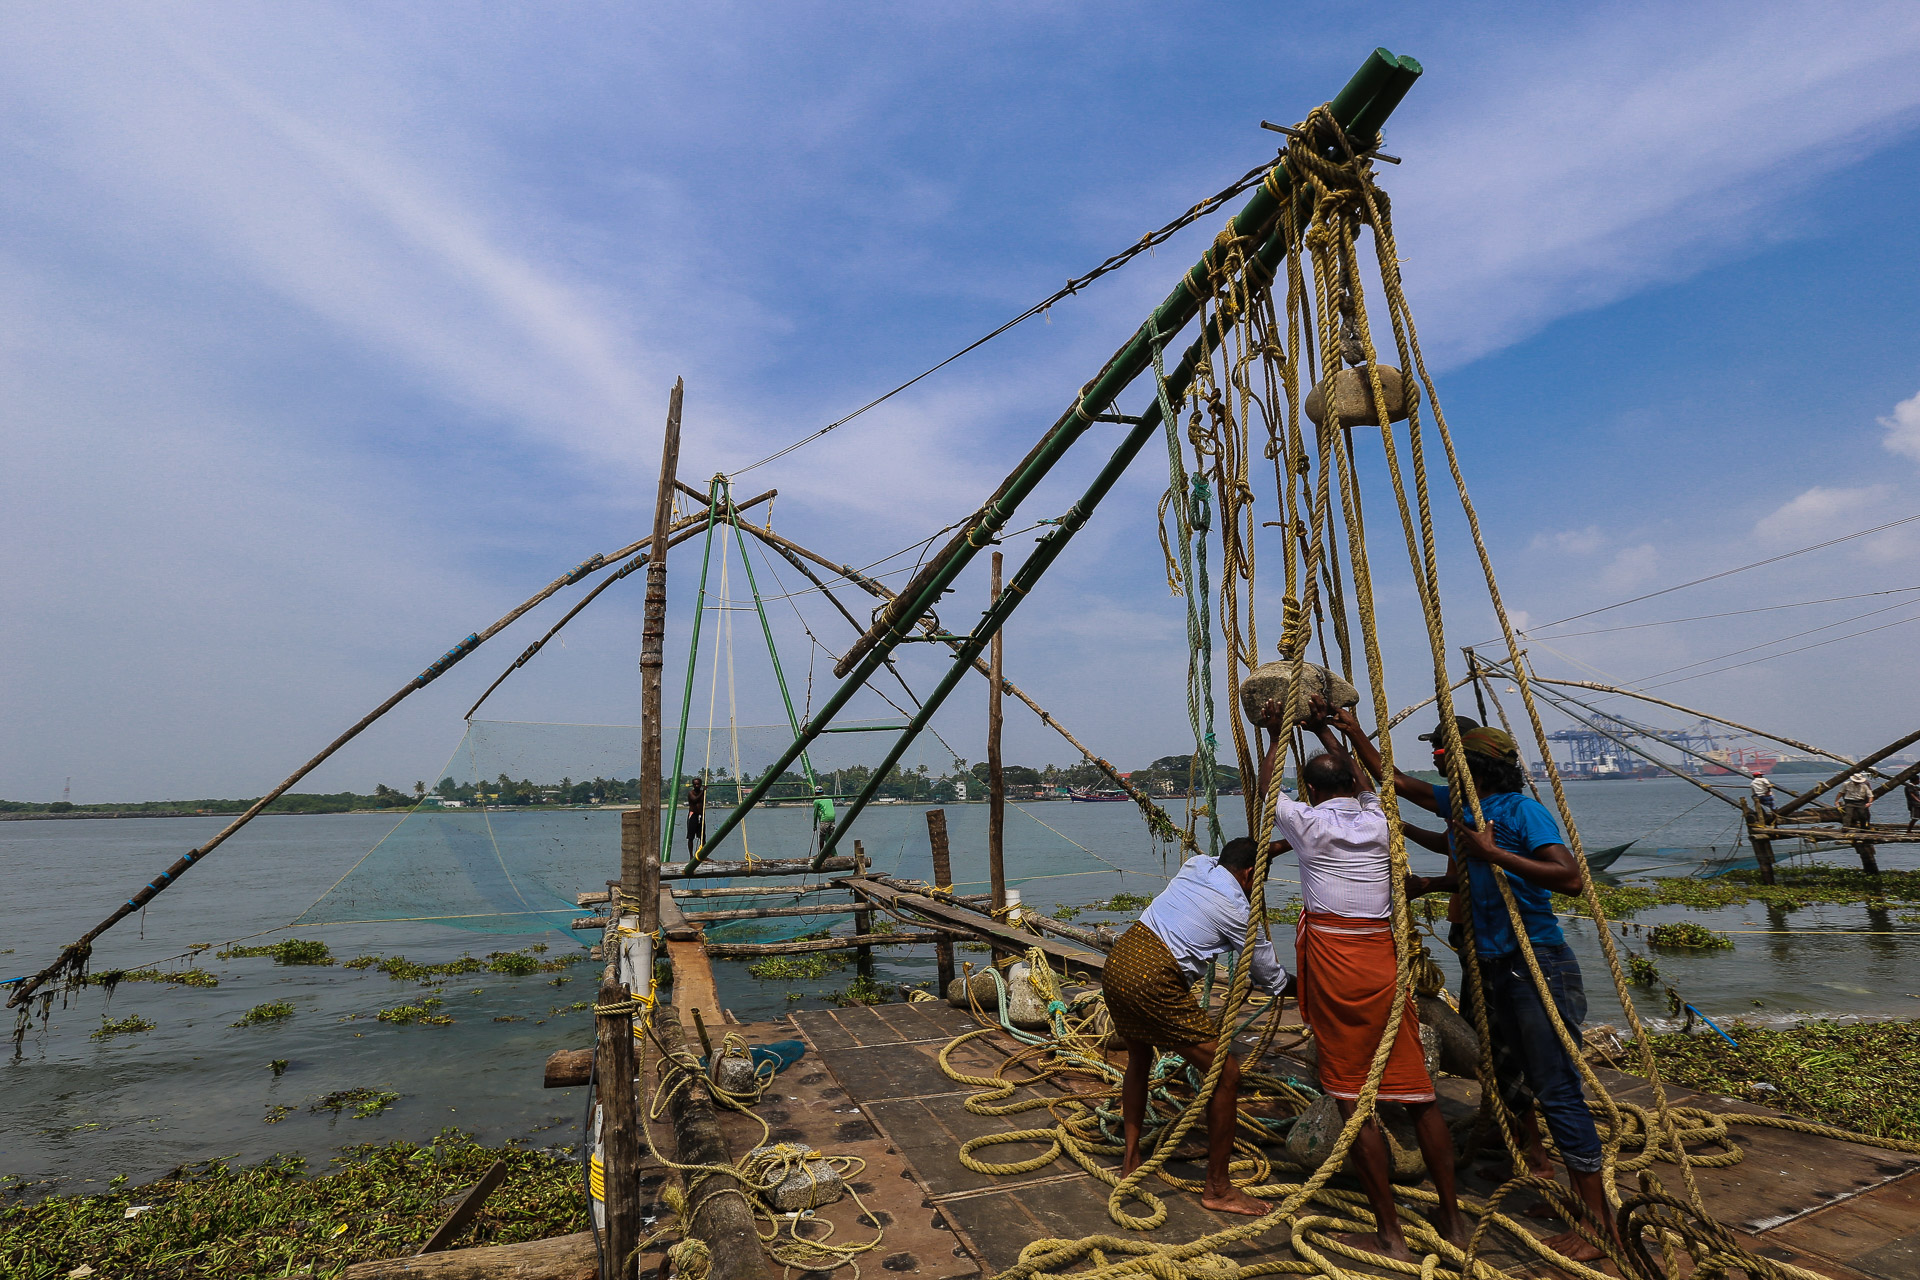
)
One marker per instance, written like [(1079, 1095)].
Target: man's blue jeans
[(1527, 1045)]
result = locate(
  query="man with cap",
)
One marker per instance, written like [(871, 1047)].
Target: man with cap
[(1856, 801), (1521, 847)]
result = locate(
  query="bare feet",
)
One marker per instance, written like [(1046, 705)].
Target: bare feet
[(1233, 1200), (1544, 1209), (1570, 1244), (1454, 1228), (1129, 1163), (1394, 1246)]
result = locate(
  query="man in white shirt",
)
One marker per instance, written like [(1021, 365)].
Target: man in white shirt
[(1763, 795), (1856, 801), (1202, 914), (1345, 951)]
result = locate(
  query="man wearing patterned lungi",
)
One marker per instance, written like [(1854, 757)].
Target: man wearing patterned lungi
[(1201, 914), (1345, 952)]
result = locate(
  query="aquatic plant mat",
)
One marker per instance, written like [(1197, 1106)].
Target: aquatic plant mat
[(273, 1219), (871, 1085)]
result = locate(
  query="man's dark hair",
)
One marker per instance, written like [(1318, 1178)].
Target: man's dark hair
[(1328, 775), (1494, 777), (1237, 854)]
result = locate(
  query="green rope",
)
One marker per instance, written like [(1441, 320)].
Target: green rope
[(686, 696)]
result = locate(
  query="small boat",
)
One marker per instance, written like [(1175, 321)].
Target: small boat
[(1087, 795), (1601, 859)]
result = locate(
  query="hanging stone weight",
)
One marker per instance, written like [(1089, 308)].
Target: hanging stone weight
[(1268, 683), (1353, 397)]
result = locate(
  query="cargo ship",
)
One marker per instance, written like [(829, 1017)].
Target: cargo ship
[(1739, 760)]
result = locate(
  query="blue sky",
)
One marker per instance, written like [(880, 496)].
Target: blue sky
[(328, 333)]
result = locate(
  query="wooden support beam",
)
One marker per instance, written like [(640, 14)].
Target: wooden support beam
[(942, 879), (723, 1221), (712, 870), (1100, 939), (464, 1212), (768, 913), (1079, 960), (693, 985), (568, 1068), (863, 915), (555, 1258), (747, 950), (755, 891), (996, 767), (673, 921), (619, 1126), (1806, 797)]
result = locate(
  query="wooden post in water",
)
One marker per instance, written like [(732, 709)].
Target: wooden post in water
[(996, 766), (863, 916), (942, 879), (619, 1126), (1762, 845)]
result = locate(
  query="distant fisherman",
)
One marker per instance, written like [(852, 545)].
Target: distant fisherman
[(696, 814), (1911, 790), (1348, 965), (1856, 801), (823, 817), (1203, 913), (1763, 794)]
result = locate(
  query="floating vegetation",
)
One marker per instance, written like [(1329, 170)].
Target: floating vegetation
[(801, 968), (364, 1101), (270, 1219), (278, 1066), (111, 978), (514, 962), (1862, 1076), (1121, 902), (511, 1017), (526, 960), (1642, 971), (409, 1014), (861, 991), (125, 1026), (1688, 936), (273, 1011), (1063, 911), (276, 1113), (1798, 887), (286, 951)]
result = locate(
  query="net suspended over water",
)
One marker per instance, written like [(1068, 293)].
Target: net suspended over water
[(526, 816)]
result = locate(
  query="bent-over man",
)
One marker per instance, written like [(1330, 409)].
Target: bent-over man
[(1345, 953), (1148, 984)]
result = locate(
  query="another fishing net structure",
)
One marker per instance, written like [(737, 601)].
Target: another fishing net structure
[(526, 816)]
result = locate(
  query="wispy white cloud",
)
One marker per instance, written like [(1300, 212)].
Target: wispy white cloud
[(1903, 428), (1576, 542), (1819, 511)]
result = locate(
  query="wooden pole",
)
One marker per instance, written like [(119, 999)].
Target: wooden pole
[(653, 645), (996, 766), (619, 1127), (863, 915), (1762, 845), (942, 879)]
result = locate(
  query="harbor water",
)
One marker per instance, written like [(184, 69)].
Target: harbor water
[(84, 1108)]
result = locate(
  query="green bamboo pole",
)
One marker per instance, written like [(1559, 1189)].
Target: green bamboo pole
[(686, 693), (1382, 79), (766, 629)]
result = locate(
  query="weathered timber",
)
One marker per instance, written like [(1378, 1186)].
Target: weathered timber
[(743, 950), (619, 1126), (693, 985), (1808, 796), (1076, 959), (673, 921), (712, 870), (723, 1221), (863, 914), (1101, 939), (555, 1258), (568, 1068), (942, 879), (464, 1212), (753, 891), (1879, 834), (765, 913)]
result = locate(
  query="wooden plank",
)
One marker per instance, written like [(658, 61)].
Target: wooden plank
[(693, 986), (756, 891), (766, 913), (557, 1258), (1877, 1231), (1076, 960), (673, 921), (711, 870), (742, 950), (464, 1212)]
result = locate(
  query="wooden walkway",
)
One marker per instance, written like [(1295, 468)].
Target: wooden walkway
[(871, 1086)]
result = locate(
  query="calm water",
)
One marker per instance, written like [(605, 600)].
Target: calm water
[(81, 1110)]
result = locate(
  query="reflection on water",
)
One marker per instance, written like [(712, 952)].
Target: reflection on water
[(196, 1086)]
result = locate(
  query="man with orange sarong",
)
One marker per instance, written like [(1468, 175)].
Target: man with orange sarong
[(1344, 950)]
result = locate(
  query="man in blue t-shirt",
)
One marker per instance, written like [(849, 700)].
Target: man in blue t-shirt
[(1524, 849)]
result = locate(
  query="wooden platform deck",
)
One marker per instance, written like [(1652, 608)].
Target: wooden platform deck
[(871, 1086)]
